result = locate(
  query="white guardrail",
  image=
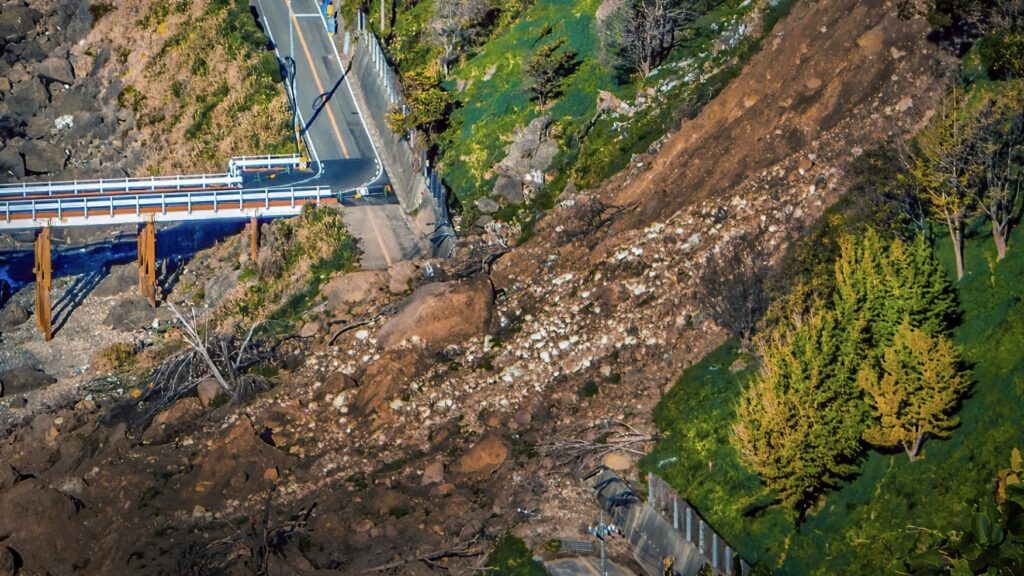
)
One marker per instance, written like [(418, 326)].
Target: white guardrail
[(233, 178), (124, 209)]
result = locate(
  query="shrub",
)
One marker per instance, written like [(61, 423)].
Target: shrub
[(113, 357)]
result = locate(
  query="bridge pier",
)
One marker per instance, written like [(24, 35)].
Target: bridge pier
[(254, 239), (44, 282), (147, 263)]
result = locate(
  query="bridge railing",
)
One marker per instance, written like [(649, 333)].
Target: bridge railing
[(118, 185), (133, 208), (239, 163)]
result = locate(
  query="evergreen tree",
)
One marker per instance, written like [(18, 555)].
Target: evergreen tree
[(548, 68), (918, 393), (879, 284), (799, 426)]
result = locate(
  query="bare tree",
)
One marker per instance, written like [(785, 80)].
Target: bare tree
[(1003, 156), (639, 34), (456, 22), (733, 287), (947, 166)]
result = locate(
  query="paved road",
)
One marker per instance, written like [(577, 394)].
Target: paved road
[(333, 126)]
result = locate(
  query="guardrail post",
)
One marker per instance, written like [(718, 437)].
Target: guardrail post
[(689, 524), (44, 282), (728, 559), (675, 514), (714, 550)]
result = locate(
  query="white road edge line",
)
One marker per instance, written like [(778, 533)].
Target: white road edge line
[(341, 65), (309, 141)]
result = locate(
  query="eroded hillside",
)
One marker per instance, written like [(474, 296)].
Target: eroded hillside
[(403, 424)]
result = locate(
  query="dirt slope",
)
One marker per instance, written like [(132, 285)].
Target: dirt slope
[(587, 326), (833, 78)]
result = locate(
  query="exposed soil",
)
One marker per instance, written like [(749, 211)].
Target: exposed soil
[(366, 455)]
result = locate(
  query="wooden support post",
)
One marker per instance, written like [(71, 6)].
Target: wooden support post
[(44, 281), (147, 263), (254, 239)]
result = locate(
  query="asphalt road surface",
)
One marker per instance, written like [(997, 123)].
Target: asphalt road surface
[(334, 129)]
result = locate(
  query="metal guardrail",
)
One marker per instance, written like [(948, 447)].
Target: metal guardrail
[(239, 163), (118, 185), (232, 178), (140, 207)]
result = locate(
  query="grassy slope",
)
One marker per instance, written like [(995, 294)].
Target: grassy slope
[(876, 516), (493, 108)]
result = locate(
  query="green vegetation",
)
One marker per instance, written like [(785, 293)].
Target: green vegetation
[(473, 77), (883, 365), (511, 557), (299, 255)]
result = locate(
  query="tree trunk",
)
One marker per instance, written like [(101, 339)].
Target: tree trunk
[(956, 235), (913, 449), (999, 234)]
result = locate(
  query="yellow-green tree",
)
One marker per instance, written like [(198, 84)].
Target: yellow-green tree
[(918, 393), (799, 425), (947, 165)]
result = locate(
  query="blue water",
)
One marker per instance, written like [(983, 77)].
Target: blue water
[(175, 245)]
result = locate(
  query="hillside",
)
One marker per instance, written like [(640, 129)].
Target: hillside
[(404, 420)]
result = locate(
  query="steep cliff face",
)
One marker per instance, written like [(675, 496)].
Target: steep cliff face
[(409, 446)]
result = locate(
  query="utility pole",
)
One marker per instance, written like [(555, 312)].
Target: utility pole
[(382, 17), (600, 531)]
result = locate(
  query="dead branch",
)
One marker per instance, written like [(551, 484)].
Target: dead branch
[(460, 550), (592, 444)]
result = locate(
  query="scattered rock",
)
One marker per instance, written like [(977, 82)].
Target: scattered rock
[(16, 21), (7, 565), (738, 365), (338, 382), (353, 287), (509, 189), (207, 390), (487, 206), (120, 279), (402, 277), (57, 69), (386, 377), (617, 461), (482, 459), (23, 379), (433, 473), (13, 315), (130, 314), (217, 287), (173, 421), (42, 157), (442, 313), (309, 329)]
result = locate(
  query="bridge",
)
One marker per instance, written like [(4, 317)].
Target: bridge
[(341, 164)]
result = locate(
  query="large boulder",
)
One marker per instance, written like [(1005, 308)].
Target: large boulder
[(41, 157), (25, 99), (13, 315), (16, 21), (483, 459), (441, 314), (56, 69), (167, 425), (386, 378), (120, 279), (403, 277), (353, 288), (23, 379), (130, 314)]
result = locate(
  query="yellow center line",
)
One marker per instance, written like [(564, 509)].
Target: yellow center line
[(316, 78)]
